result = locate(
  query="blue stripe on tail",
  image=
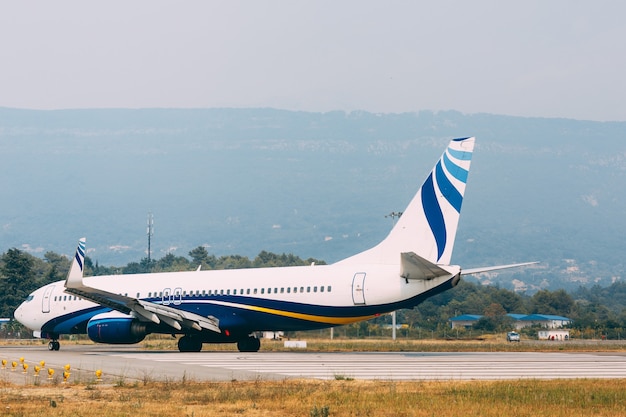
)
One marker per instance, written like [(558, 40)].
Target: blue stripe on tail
[(448, 190), (458, 172), (434, 215)]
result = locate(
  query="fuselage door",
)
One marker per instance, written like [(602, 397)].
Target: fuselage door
[(45, 302), (358, 290)]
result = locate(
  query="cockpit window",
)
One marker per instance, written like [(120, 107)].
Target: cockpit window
[(29, 298)]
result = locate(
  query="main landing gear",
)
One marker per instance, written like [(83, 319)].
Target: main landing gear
[(189, 344), (249, 344), (54, 345)]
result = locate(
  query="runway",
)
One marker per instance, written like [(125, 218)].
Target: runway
[(131, 364)]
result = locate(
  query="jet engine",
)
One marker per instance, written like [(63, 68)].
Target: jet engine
[(116, 328)]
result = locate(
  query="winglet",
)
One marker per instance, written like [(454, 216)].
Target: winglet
[(75, 276)]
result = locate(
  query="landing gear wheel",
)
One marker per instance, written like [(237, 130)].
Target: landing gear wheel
[(54, 345), (249, 344), (189, 344)]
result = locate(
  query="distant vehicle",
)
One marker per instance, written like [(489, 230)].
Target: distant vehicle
[(512, 337)]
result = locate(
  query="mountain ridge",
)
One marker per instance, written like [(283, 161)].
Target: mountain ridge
[(313, 184)]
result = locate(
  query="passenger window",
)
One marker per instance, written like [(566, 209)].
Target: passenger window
[(262, 290), (235, 291), (255, 290), (282, 290), (288, 290), (308, 289), (322, 288), (315, 289), (248, 291), (301, 289), (329, 288), (227, 292)]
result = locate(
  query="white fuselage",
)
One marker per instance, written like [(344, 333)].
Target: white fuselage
[(307, 297)]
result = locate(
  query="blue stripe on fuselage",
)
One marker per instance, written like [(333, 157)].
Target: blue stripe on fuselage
[(242, 319)]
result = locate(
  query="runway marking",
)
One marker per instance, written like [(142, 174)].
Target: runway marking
[(403, 366)]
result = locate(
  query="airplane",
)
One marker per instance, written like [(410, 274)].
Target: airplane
[(216, 306)]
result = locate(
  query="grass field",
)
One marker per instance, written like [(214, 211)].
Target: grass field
[(317, 399), (492, 344)]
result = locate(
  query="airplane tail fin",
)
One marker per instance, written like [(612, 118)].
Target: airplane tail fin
[(428, 225), (78, 264)]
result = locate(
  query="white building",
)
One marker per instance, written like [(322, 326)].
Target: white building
[(553, 334)]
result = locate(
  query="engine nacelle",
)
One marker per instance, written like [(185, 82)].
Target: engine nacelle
[(116, 328)]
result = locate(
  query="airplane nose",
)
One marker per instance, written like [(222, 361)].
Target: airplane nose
[(22, 317), (18, 314)]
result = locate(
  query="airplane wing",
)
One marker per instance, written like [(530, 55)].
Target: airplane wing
[(157, 313)]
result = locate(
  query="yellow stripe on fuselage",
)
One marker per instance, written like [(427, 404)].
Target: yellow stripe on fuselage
[(300, 316)]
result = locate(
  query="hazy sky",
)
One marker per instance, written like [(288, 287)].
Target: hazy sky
[(533, 58)]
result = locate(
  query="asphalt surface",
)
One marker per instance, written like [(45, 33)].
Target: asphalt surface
[(121, 365)]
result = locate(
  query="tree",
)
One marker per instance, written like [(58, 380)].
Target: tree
[(18, 280), (58, 267), (495, 310), (546, 302), (200, 256)]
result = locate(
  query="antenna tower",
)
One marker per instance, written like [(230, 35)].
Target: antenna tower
[(150, 234)]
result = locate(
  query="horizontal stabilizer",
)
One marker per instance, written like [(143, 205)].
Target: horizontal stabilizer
[(494, 268), (416, 267)]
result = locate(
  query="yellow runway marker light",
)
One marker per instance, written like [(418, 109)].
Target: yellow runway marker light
[(13, 366), (4, 364), (50, 373), (37, 369), (25, 368), (42, 364)]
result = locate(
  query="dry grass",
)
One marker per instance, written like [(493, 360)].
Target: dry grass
[(340, 397), (492, 343), (316, 398), (496, 344)]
